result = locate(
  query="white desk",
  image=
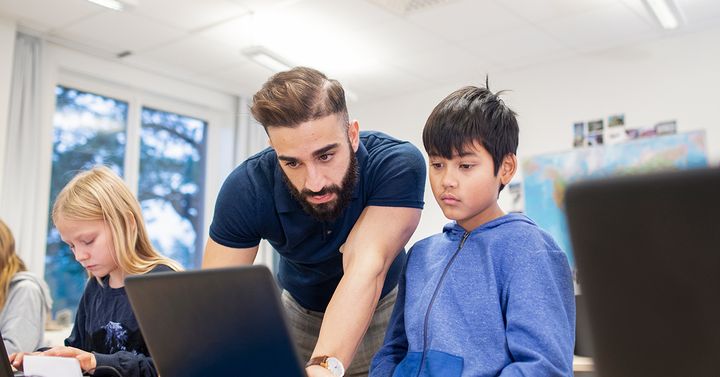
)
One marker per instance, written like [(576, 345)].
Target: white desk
[(583, 364)]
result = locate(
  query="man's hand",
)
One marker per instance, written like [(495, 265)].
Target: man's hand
[(318, 371), (86, 359), (16, 359)]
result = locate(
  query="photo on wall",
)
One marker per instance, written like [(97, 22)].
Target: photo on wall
[(666, 128), (616, 129), (632, 133), (616, 121), (595, 132), (594, 140), (579, 134), (595, 127)]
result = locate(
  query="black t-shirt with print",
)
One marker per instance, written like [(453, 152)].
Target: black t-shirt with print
[(105, 325)]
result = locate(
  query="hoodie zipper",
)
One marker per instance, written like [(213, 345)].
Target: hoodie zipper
[(432, 300)]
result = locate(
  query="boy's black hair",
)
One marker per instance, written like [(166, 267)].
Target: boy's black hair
[(472, 114)]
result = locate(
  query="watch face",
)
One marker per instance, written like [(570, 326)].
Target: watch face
[(335, 366)]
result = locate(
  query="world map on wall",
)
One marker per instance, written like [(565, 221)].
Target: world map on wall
[(546, 177)]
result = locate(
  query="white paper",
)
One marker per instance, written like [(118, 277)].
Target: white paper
[(51, 366)]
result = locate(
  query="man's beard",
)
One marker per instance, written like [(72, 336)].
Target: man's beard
[(328, 211)]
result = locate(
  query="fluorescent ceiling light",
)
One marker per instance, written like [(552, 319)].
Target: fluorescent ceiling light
[(115, 4), (666, 12), (275, 63), (267, 58)]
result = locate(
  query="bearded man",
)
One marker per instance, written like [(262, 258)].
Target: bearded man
[(337, 204)]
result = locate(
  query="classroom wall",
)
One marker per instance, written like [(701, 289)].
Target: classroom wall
[(673, 78), (7, 47)]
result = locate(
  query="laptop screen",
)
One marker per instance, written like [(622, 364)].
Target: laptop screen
[(648, 255), (223, 322)]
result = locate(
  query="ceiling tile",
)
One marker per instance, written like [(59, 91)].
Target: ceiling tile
[(697, 11), (309, 33), (467, 19), (448, 63), (236, 33), (350, 14), (696, 15), (189, 14), (534, 10), (119, 31), (315, 19), (393, 40), (197, 54), (513, 46), (602, 28), (374, 52), (46, 15), (262, 5)]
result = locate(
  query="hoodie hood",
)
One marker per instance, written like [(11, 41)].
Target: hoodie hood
[(454, 230), (25, 275)]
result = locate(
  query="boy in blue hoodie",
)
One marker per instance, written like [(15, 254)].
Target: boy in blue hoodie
[(492, 295)]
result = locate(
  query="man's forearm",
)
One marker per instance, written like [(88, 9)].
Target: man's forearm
[(365, 265), (349, 313)]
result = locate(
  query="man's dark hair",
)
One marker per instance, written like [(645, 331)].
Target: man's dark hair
[(467, 115), (297, 96)]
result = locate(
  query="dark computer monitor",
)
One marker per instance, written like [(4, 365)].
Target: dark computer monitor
[(647, 250)]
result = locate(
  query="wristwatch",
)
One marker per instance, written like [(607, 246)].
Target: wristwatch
[(332, 364)]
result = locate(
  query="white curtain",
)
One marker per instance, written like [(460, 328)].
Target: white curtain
[(250, 139), (19, 204)]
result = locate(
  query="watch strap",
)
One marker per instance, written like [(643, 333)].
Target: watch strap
[(318, 360)]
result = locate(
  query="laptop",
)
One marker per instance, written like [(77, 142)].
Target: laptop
[(6, 369), (221, 322), (647, 250)]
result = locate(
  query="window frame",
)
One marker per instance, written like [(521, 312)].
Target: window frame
[(220, 135)]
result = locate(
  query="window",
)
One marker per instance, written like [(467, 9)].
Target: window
[(171, 181), (91, 129)]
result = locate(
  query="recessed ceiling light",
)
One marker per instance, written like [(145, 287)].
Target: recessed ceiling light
[(115, 4), (276, 63), (267, 58), (666, 12)]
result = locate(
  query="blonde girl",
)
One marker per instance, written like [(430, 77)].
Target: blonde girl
[(24, 299), (100, 219)]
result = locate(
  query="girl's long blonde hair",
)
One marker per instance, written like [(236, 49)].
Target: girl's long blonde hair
[(99, 194), (10, 263)]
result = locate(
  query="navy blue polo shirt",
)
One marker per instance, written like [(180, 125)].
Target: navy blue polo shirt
[(254, 203)]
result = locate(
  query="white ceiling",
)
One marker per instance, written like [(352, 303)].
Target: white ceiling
[(373, 51)]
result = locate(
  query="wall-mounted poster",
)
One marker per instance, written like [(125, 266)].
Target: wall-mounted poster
[(615, 121), (579, 134), (632, 133), (616, 129), (595, 132), (545, 177), (666, 128)]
